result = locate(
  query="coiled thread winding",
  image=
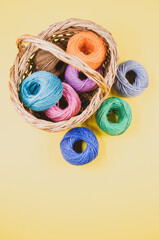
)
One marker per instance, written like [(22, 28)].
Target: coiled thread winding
[(138, 76), (120, 109), (41, 90), (72, 76), (74, 105), (68, 141), (89, 47)]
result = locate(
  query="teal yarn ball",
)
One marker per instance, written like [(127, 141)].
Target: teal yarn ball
[(41, 90), (114, 116)]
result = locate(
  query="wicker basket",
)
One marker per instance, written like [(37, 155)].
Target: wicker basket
[(48, 40)]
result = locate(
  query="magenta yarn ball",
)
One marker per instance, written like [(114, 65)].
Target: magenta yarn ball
[(72, 77), (58, 114)]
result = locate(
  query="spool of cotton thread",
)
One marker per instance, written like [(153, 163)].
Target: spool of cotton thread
[(72, 77), (89, 47), (74, 135), (74, 105), (140, 75), (41, 90), (119, 108)]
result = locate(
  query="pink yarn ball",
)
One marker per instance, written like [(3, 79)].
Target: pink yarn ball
[(74, 105)]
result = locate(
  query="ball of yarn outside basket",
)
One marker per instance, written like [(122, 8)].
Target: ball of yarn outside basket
[(115, 107), (89, 47), (72, 76), (58, 114), (41, 90), (131, 79), (74, 135), (46, 61)]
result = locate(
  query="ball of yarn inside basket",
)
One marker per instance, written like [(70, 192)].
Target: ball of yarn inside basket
[(46, 61), (73, 77), (74, 135), (57, 114), (41, 90), (131, 79), (89, 47), (114, 116)]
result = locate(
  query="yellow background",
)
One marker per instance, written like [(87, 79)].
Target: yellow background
[(115, 197)]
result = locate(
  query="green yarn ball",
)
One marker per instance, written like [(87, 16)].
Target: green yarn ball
[(114, 116)]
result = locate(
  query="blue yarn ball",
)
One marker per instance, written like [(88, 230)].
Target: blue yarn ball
[(76, 134), (123, 86), (41, 90)]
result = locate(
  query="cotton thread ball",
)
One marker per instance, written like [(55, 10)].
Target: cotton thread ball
[(74, 135), (88, 47), (41, 90), (72, 77), (46, 61), (74, 105), (131, 79), (121, 114)]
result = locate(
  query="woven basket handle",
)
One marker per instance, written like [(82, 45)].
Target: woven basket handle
[(63, 56)]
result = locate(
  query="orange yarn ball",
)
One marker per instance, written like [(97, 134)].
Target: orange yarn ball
[(89, 47)]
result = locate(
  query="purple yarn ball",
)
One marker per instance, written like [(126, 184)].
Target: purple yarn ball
[(72, 77)]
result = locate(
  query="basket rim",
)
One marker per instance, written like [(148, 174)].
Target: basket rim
[(24, 52)]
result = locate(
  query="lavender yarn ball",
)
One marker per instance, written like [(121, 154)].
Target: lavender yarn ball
[(131, 79), (72, 77)]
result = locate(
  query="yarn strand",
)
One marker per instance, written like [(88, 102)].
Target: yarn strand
[(123, 86)]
